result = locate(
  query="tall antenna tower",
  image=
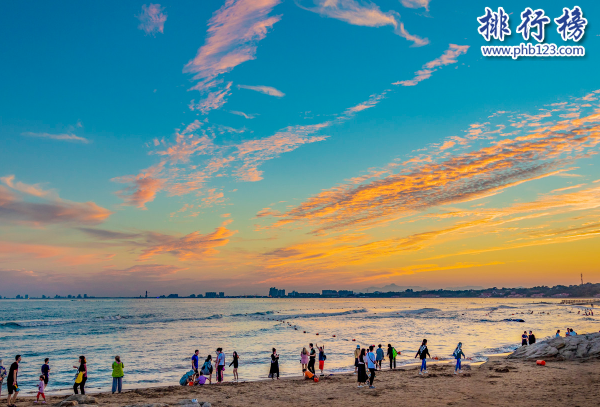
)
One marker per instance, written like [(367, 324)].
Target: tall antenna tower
[(581, 278)]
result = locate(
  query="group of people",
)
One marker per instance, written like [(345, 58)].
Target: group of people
[(80, 379), (203, 373), (308, 359), (570, 332)]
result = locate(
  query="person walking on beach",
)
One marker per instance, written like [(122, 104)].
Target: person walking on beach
[(195, 362), (356, 356), (81, 375), (117, 375), (391, 354), (322, 358), (41, 386), (304, 359), (220, 364), (46, 371), (207, 368), (531, 338), (372, 365), (379, 353), (2, 376), (362, 368), (458, 354), (423, 352), (11, 382), (311, 359), (524, 338), (235, 363), (274, 365)]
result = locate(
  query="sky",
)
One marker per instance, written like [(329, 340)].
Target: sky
[(186, 147)]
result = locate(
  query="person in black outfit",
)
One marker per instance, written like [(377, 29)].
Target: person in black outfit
[(423, 352), (524, 338), (46, 371), (274, 365), (362, 368), (82, 368), (531, 338), (311, 359), (390, 355), (11, 382)]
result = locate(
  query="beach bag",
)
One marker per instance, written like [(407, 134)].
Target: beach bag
[(394, 353), (79, 377), (184, 379)]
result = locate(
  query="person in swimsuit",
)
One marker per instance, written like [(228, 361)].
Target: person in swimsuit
[(235, 366)]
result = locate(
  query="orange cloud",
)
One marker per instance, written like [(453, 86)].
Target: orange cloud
[(152, 19), (447, 58)]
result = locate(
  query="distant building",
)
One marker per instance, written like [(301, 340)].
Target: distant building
[(430, 296), (275, 293), (26, 296), (561, 295), (85, 296), (192, 295), (515, 296), (221, 294), (79, 296), (329, 293), (540, 295), (293, 294), (484, 295), (199, 296), (19, 297), (211, 294), (146, 294), (345, 293), (173, 296)]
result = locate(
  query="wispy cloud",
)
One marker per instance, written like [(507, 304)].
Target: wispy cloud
[(232, 37), (246, 115), (152, 19), (214, 100), (51, 210), (416, 4), (364, 13), (60, 137), (267, 90), (447, 58)]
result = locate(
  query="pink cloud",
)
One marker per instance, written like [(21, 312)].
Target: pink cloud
[(447, 58), (152, 19)]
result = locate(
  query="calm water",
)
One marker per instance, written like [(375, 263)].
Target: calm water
[(156, 338)]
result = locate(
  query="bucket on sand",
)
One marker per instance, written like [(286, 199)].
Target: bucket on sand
[(541, 363)]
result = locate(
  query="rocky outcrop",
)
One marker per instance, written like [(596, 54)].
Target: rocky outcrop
[(584, 346), (78, 400), (148, 405)]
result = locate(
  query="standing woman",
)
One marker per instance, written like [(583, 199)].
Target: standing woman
[(81, 375), (235, 366), (362, 368), (304, 359), (274, 365), (207, 368), (117, 374)]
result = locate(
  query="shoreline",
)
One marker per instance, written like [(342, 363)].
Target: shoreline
[(497, 382)]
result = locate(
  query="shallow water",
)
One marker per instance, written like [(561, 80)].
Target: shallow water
[(157, 337)]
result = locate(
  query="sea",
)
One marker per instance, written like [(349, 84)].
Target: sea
[(156, 338)]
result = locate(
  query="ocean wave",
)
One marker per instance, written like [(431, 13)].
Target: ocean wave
[(30, 324), (323, 314), (254, 314)]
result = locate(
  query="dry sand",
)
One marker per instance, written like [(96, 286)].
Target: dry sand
[(498, 382)]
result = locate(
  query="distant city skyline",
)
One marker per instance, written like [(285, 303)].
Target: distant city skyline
[(233, 146)]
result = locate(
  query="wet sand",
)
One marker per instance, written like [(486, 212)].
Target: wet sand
[(498, 382)]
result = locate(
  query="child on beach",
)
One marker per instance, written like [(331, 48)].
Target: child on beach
[(40, 387), (423, 352), (379, 353), (304, 359), (235, 363), (458, 354), (356, 356), (322, 358)]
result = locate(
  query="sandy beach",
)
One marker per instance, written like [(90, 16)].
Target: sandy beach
[(498, 382)]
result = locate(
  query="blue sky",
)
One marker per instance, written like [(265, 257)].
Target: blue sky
[(95, 94)]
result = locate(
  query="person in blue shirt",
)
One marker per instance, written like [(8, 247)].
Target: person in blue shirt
[(195, 363), (372, 365), (557, 333), (458, 354), (423, 352), (380, 356), (220, 364)]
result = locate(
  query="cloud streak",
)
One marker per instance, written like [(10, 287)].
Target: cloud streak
[(267, 90), (59, 137), (448, 57)]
